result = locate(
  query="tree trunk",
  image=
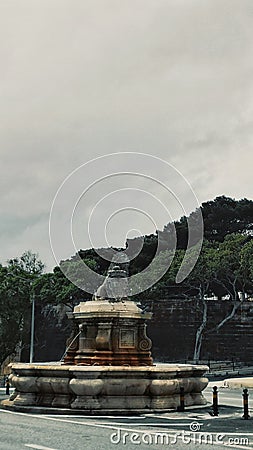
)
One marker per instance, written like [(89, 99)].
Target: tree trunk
[(230, 316), (199, 332)]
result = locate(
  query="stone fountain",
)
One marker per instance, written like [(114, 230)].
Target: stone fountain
[(108, 366)]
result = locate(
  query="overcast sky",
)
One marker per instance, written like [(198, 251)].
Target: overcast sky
[(80, 79)]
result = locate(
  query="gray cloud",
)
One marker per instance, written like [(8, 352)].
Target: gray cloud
[(80, 79)]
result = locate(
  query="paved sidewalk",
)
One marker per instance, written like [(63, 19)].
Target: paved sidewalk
[(233, 383)]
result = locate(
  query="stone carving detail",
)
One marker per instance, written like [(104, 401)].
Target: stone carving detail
[(145, 344), (103, 336), (127, 338)]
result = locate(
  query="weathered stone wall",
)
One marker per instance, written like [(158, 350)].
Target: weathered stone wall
[(174, 324)]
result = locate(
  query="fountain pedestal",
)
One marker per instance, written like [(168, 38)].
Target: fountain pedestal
[(111, 333)]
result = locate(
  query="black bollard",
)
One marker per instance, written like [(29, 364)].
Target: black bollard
[(7, 387), (245, 396), (181, 407), (215, 401)]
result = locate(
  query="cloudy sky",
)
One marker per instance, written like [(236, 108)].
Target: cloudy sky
[(84, 78)]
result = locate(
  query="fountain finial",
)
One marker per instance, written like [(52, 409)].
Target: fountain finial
[(114, 287)]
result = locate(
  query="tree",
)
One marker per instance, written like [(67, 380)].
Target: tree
[(18, 282), (247, 265), (11, 318), (220, 270), (224, 215), (199, 285), (28, 264)]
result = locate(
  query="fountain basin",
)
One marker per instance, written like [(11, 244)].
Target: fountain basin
[(108, 366), (104, 389)]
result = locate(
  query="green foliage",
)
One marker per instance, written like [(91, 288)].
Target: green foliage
[(28, 264), (246, 261), (221, 216), (17, 284), (225, 215)]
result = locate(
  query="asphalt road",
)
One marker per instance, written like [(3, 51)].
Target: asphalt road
[(188, 430)]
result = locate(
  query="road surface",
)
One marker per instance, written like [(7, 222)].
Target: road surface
[(193, 429)]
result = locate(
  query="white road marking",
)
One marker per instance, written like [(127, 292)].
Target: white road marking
[(88, 416), (39, 447), (237, 446), (132, 430), (110, 425)]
